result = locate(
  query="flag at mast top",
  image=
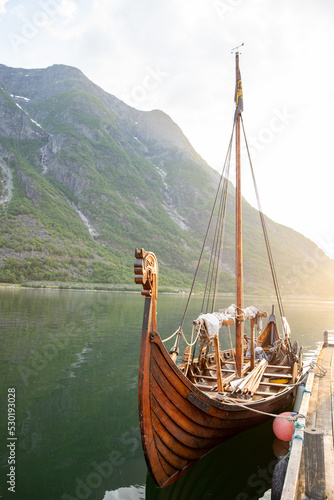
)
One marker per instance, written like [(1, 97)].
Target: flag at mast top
[(238, 97)]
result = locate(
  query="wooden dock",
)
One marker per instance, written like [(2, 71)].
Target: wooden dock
[(310, 472)]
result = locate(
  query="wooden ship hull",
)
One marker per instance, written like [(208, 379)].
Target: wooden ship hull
[(179, 420)]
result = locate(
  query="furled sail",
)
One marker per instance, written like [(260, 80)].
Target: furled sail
[(214, 321)]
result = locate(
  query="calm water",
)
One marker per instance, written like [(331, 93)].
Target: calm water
[(72, 358)]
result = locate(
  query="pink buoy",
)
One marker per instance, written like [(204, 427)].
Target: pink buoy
[(283, 428)]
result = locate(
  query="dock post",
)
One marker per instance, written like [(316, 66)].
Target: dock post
[(325, 338), (314, 458)]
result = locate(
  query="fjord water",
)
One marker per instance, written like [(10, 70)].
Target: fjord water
[(72, 358)]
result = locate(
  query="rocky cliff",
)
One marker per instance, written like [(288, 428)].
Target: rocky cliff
[(85, 179)]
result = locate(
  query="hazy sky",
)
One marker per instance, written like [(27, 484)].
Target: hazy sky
[(175, 55)]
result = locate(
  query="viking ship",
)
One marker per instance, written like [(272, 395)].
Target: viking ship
[(190, 405)]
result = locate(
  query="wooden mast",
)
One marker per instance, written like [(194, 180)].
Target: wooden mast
[(239, 325)]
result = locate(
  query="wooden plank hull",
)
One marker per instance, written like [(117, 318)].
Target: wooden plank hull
[(179, 423)]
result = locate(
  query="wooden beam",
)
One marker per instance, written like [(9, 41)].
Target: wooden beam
[(273, 384), (269, 366), (218, 364), (263, 393), (228, 322), (252, 344), (280, 367), (277, 375), (245, 368), (203, 387)]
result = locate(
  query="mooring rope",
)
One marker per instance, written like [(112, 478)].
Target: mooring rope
[(290, 418), (322, 369)]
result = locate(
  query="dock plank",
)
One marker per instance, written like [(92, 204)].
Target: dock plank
[(318, 408), (324, 415), (324, 397)]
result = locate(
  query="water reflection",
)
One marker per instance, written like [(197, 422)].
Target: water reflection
[(81, 358), (73, 359), (240, 468), (131, 493)]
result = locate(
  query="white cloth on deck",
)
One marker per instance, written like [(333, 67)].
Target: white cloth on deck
[(233, 311), (214, 321), (211, 322)]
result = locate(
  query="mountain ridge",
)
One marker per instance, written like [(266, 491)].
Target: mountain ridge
[(92, 178)]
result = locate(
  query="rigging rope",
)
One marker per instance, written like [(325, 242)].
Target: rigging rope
[(265, 232), (207, 231), (217, 246), (211, 285)]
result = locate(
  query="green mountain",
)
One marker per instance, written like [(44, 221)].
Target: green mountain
[(87, 178)]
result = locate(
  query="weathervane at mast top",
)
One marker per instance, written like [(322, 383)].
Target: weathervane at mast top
[(236, 48)]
